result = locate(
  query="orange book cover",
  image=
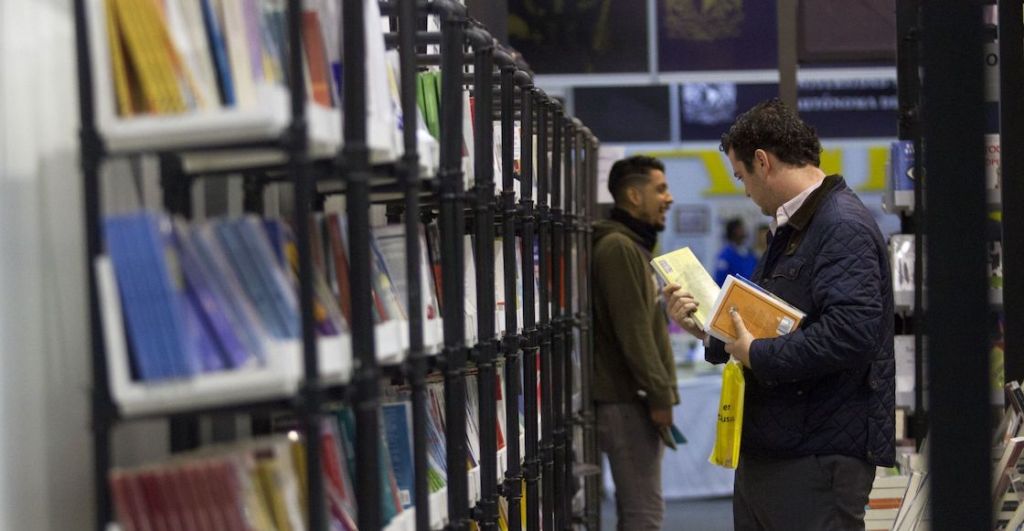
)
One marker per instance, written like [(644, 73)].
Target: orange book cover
[(316, 58), (764, 314)]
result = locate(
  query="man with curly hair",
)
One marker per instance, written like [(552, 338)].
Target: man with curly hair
[(820, 401)]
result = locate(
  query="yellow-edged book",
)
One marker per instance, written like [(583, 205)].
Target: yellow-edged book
[(764, 315), (682, 267)]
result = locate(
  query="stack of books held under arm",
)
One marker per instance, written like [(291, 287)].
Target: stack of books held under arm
[(764, 315)]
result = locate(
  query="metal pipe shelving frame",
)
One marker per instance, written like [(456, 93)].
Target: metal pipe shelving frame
[(293, 143), (557, 229)]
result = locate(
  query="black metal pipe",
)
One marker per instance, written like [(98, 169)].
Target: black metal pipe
[(431, 59), (356, 163), (452, 224), (587, 165), (544, 325), (513, 371), (569, 316), (252, 193), (1011, 143), (295, 142), (484, 175), (103, 412), (532, 463), (557, 354), (177, 200), (410, 175), (394, 39), (953, 127)]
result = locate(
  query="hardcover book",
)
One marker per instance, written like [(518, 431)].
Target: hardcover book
[(764, 314)]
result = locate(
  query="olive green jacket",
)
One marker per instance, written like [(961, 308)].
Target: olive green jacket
[(632, 353)]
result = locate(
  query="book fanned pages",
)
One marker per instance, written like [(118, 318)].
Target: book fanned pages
[(682, 267), (764, 315)]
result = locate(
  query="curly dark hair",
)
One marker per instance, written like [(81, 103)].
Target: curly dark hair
[(631, 171), (775, 128)]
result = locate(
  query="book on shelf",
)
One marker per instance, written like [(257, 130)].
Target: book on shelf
[(901, 258), (900, 193), (681, 267), (993, 168), (396, 421), (1006, 466), (764, 315)]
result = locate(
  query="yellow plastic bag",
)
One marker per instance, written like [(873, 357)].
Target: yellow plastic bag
[(729, 427)]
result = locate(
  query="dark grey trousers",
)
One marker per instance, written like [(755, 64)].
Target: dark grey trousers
[(813, 493), (634, 449)]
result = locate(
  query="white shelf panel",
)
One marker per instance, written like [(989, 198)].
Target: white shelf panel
[(392, 342), (439, 508), (502, 464), (473, 481), (433, 336), (264, 120), (277, 378), (403, 521), (995, 296)]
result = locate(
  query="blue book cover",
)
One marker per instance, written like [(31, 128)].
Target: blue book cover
[(388, 506), (282, 292), (275, 21), (397, 421), (901, 165), (148, 272), (276, 236), (218, 49), (139, 316), (148, 267), (224, 282), (242, 263), (210, 307)]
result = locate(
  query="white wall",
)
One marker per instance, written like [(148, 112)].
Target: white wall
[(44, 437)]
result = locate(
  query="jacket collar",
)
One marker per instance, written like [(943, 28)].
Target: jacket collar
[(806, 212)]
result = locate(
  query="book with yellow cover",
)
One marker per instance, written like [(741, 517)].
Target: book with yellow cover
[(764, 314), (682, 267)]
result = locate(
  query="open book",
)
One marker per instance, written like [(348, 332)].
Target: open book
[(764, 314), (682, 267)]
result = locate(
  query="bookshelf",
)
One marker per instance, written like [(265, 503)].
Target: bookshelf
[(459, 369), (945, 121)]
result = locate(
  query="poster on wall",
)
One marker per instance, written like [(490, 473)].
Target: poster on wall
[(606, 156), (843, 108), (717, 35), (580, 36)]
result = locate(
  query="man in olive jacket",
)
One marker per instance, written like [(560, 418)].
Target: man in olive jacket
[(635, 382)]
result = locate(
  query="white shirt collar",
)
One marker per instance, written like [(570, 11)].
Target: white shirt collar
[(789, 208)]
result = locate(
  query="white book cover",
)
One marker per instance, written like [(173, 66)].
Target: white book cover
[(185, 22), (901, 258), (380, 115)]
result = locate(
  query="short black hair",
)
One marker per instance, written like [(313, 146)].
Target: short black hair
[(775, 128), (732, 226), (631, 171)]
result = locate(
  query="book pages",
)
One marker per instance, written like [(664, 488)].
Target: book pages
[(682, 267)]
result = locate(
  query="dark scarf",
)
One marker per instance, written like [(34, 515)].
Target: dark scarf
[(648, 233)]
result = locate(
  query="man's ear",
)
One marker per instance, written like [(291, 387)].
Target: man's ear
[(762, 159), (633, 196)]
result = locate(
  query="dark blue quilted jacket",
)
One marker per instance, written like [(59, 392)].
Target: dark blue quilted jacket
[(828, 387)]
